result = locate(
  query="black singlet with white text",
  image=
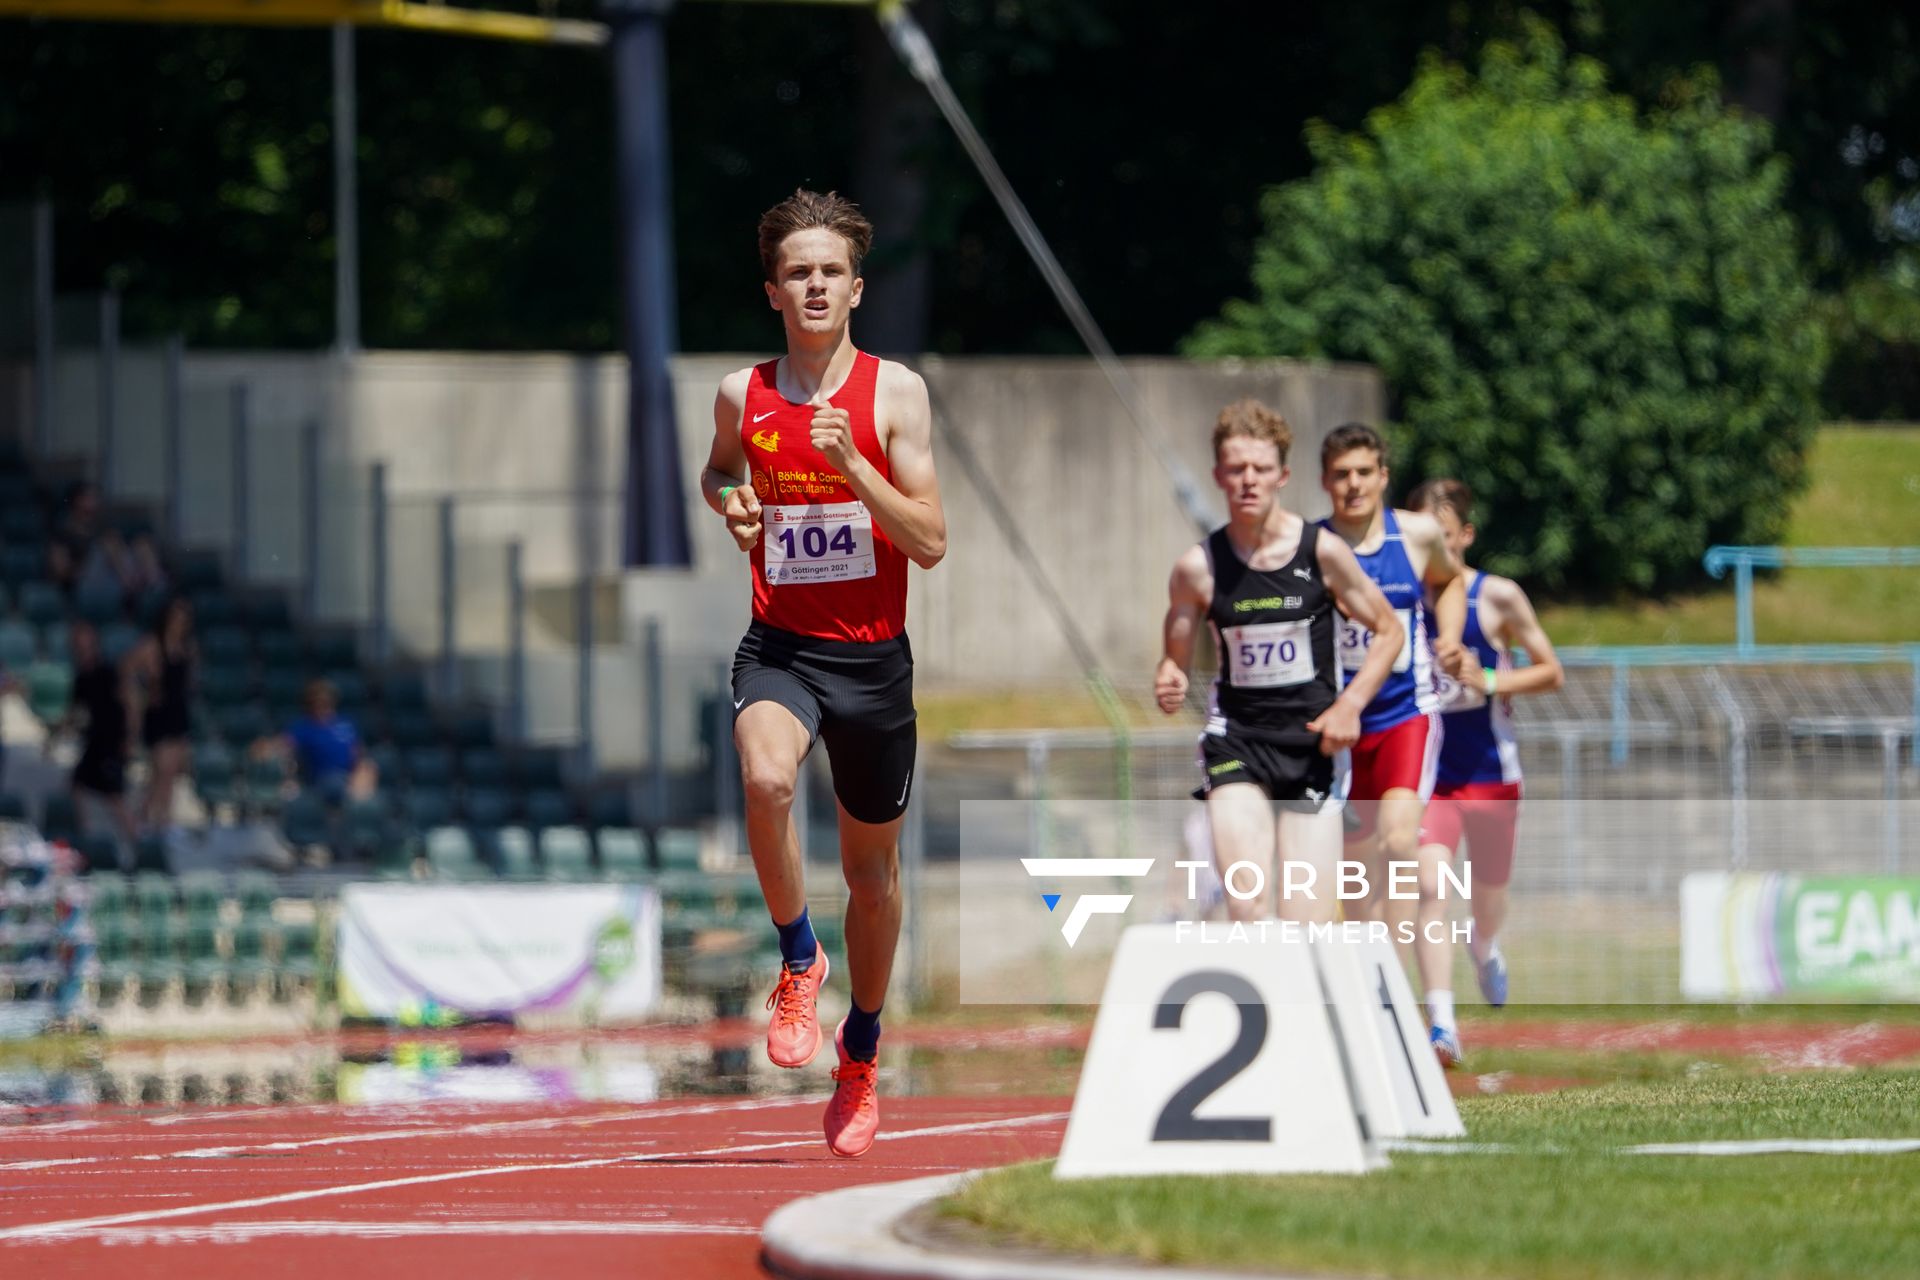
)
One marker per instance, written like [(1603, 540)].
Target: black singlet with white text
[(1274, 632)]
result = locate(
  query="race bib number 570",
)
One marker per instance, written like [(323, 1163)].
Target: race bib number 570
[(826, 543)]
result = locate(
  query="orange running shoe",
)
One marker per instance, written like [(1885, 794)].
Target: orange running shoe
[(793, 1037), (853, 1113)]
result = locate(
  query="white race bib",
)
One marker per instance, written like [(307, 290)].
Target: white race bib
[(830, 542), (1451, 695), (1354, 639), (1267, 655)]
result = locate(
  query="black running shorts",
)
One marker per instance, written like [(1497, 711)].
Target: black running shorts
[(1295, 775), (856, 697)]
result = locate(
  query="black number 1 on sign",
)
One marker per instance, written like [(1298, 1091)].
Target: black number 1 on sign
[(1177, 1123)]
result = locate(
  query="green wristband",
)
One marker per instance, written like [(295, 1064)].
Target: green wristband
[(1490, 675), (726, 489)]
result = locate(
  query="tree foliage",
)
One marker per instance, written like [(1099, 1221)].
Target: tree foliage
[(1597, 317)]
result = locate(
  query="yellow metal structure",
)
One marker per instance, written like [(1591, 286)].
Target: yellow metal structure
[(445, 19)]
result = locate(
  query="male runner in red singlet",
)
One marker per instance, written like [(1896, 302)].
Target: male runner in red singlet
[(823, 467)]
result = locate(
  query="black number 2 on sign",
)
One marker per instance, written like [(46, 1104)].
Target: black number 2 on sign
[(1177, 1123)]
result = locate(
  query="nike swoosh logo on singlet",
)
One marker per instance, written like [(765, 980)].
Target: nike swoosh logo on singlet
[(761, 417)]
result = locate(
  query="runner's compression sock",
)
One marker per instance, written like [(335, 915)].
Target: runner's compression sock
[(1440, 1008), (861, 1035), (797, 943)]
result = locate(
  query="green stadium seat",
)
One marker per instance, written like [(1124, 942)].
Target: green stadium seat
[(514, 857), (198, 571), (566, 854), (19, 645), (256, 891), (249, 964), (225, 686), (332, 650), (483, 767), (300, 952), (452, 856), (428, 766), (470, 728), (98, 602), (41, 602), (427, 807), (56, 641), (214, 608), (204, 893), (548, 808), (99, 849), (678, 849), (388, 759), (404, 691), (267, 611), (155, 894), (214, 776), (49, 686), (279, 649), (538, 767), (240, 726), (622, 855), (109, 896), (305, 821), (21, 564), (487, 807), (150, 854), (225, 646), (59, 817), (410, 729), (119, 639), (149, 607), (204, 967), (284, 686)]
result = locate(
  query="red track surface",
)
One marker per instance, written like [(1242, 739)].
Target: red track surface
[(669, 1188)]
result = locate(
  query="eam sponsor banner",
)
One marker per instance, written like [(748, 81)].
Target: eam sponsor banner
[(1748, 936), (415, 953)]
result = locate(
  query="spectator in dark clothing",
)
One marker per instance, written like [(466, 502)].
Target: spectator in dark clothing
[(100, 695), (80, 551), (164, 666), (325, 748)]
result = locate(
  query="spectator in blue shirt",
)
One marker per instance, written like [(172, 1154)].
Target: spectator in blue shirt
[(325, 748)]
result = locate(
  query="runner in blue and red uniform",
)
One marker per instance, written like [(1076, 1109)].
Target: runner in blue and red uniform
[(1478, 794), (1393, 762), (823, 468)]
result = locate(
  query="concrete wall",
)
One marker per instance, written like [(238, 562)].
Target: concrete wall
[(533, 448)]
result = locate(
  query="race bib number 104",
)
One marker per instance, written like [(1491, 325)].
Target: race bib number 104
[(827, 543)]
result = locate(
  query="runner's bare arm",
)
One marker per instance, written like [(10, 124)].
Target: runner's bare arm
[(1450, 601), (1520, 628), (727, 464), (1187, 593), (1361, 599), (908, 509)]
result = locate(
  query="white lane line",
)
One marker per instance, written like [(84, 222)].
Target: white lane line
[(76, 1226), (1780, 1146), (388, 1135), (246, 1232)]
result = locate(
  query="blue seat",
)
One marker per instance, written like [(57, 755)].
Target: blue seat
[(283, 686), (548, 808), (537, 767), (332, 650), (404, 691), (305, 821), (470, 728), (410, 730), (279, 648), (225, 686), (487, 807), (428, 807)]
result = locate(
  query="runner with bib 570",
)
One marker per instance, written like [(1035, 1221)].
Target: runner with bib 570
[(823, 467)]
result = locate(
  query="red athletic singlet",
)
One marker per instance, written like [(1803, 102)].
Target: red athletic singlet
[(821, 567)]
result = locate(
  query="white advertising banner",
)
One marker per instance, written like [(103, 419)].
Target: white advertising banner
[(415, 953)]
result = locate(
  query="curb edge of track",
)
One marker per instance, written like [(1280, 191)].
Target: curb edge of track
[(854, 1234)]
